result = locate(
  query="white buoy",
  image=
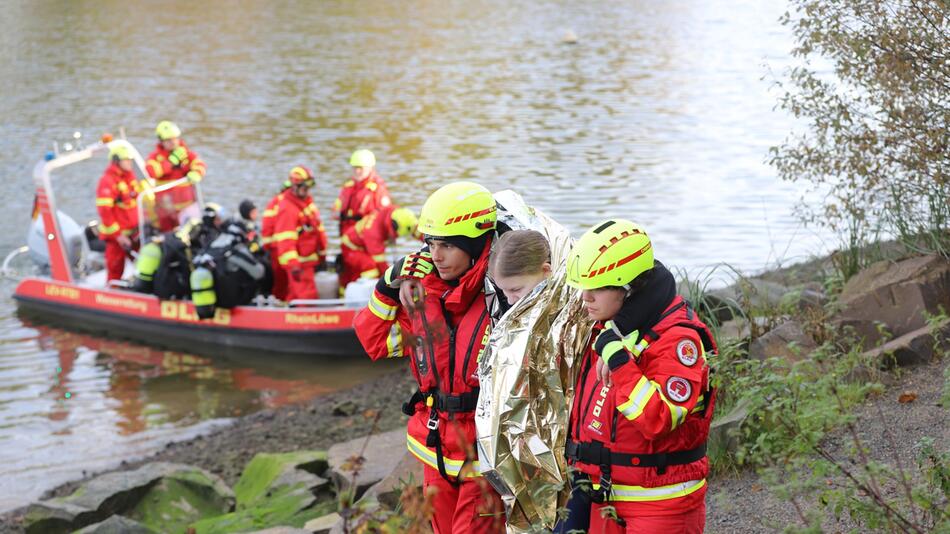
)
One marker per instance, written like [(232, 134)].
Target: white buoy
[(569, 37)]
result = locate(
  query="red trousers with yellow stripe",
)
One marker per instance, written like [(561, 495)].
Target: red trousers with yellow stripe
[(472, 506), (635, 521)]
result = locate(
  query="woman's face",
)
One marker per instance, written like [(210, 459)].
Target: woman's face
[(517, 286), (604, 303)]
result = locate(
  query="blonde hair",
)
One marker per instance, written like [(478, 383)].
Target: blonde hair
[(519, 252)]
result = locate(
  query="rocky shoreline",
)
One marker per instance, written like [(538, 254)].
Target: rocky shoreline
[(375, 407)]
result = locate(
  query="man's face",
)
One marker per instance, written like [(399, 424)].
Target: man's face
[(126, 165), (361, 173), (301, 190), (170, 144), (450, 261)]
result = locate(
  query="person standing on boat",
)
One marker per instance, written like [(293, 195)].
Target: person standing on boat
[(118, 213), (643, 402), (279, 287), (430, 306), (172, 160), (364, 245), (364, 193), (299, 238)]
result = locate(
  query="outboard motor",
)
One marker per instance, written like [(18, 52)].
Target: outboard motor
[(73, 235)]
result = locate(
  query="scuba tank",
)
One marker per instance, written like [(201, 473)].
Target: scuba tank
[(202, 292)]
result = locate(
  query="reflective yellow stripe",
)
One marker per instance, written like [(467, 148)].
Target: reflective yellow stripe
[(379, 258), (156, 168), (307, 259), (638, 399), (619, 492), (677, 412), (285, 258), (639, 347), (372, 273), (428, 457), (381, 309), (267, 240), (269, 213), (394, 341), (284, 236), (106, 202), (345, 241), (108, 230)]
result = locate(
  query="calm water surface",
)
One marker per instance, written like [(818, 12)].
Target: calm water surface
[(659, 113)]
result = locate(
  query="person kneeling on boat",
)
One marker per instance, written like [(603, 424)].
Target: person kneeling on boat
[(364, 244), (172, 160), (227, 273), (165, 264), (444, 333), (299, 238), (118, 215)]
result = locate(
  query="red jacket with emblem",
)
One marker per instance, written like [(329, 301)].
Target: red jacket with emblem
[(163, 171), (267, 220), (299, 239), (371, 234), (359, 199), (655, 403), (116, 203), (451, 339)]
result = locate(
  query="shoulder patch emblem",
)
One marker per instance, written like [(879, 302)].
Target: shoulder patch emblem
[(678, 389), (687, 352)]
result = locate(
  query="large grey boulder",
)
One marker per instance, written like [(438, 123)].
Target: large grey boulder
[(408, 472), (325, 524), (751, 295), (117, 525), (787, 341), (380, 455), (914, 347), (723, 432), (896, 295), (156, 494)]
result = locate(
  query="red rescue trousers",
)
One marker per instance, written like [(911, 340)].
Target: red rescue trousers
[(279, 289), (472, 506), (115, 260), (692, 521), (303, 287), (355, 263)]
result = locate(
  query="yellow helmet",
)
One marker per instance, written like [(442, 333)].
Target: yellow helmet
[(612, 253), (362, 158), (404, 221), (460, 208), (120, 150), (167, 130)]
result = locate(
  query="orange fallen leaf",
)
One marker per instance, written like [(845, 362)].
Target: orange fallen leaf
[(907, 396)]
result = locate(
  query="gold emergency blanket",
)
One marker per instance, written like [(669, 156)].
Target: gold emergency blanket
[(527, 378)]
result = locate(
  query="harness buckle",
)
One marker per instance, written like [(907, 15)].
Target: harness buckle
[(602, 495), (433, 422)]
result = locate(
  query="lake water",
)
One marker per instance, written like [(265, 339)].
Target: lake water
[(659, 113)]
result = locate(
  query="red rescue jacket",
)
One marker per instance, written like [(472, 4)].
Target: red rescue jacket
[(299, 238), (267, 220), (659, 402), (163, 171), (443, 350), (116, 203), (359, 199), (371, 234)]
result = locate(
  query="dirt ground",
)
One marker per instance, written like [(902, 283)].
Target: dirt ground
[(737, 503)]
